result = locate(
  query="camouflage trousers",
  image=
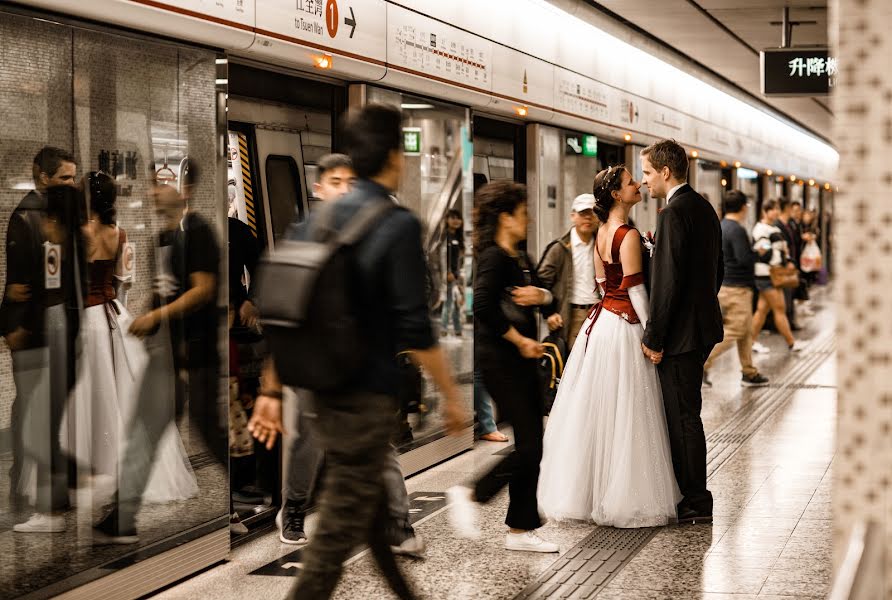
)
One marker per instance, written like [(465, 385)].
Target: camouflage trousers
[(354, 431)]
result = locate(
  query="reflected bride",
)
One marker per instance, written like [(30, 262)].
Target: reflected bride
[(112, 365)]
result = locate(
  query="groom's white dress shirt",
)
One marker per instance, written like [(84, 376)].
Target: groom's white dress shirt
[(674, 190)]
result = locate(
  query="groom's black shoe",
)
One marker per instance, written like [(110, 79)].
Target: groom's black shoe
[(689, 516)]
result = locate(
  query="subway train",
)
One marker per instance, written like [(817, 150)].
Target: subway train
[(544, 93)]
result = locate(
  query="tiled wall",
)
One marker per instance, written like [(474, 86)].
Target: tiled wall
[(89, 91), (35, 96), (863, 134)]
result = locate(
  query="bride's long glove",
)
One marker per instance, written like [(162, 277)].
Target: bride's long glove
[(640, 302)]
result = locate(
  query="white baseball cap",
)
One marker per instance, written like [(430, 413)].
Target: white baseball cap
[(583, 202)]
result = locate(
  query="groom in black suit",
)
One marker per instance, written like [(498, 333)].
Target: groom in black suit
[(685, 318)]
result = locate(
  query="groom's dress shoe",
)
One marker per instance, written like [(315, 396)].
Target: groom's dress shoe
[(689, 516)]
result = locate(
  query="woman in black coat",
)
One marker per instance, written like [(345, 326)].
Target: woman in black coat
[(506, 292)]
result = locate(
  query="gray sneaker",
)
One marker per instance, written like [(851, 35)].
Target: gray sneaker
[(290, 521)]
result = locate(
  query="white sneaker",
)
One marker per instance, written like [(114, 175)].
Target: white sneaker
[(42, 523), (529, 541), (463, 512), (798, 346), (760, 348)]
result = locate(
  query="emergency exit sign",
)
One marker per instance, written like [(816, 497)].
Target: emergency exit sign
[(412, 140)]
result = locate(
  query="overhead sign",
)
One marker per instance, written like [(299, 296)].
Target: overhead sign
[(579, 144), (797, 71), (589, 145)]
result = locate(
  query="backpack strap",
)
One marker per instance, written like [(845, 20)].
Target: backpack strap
[(362, 221)]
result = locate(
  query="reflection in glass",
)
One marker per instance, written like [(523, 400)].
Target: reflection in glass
[(72, 373)]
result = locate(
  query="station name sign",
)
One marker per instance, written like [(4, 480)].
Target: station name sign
[(797, 71)]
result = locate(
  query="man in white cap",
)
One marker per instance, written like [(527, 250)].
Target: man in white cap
[(567, 269)]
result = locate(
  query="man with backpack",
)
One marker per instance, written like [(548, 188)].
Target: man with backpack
[(389, 313), (306, 459), (567, 270)]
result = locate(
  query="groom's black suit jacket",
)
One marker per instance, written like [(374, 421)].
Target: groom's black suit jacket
[(686, 273)]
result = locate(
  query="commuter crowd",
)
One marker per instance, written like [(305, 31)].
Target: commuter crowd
[(611, 336)]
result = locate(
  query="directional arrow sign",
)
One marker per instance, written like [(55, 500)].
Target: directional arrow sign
[(351, 22)]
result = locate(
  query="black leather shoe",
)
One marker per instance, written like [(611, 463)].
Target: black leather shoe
[(689, 516)]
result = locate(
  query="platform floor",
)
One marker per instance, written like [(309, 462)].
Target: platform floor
[(771, 456)]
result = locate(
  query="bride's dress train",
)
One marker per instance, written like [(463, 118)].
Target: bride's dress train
[(111, 369)]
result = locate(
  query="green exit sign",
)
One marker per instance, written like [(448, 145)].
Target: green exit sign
[(589, 145), (412, 140)]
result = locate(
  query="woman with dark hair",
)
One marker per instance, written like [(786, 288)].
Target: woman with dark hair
[(767, 237), (506, 290), (607, 456), (112, 362), (454, 241)]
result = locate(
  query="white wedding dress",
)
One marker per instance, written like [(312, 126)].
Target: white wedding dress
[(94, 431), (606, 456)]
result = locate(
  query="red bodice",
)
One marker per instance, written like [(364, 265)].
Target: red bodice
[(100, 286), (616, 288), (100, 276)]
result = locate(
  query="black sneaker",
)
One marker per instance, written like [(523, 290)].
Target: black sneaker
[(290, 522), (756, 380), (706, 381), (109, 532)]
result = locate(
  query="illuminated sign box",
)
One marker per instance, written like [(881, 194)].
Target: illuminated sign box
[(584, 144), (797, 71), (412, 141)]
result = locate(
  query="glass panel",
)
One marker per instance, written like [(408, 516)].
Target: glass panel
[(284, 193), (131, 410), (438, 177)]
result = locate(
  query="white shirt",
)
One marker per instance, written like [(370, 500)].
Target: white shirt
[(673, 190), (583, 291)]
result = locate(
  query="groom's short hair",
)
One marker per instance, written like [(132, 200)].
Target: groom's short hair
[(668, 153)]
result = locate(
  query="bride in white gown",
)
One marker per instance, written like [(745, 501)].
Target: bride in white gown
[(606, 455), (111, 369)]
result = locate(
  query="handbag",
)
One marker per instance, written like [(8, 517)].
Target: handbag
[(784, 276)]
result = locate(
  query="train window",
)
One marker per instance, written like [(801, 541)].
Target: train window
[(283, 181)]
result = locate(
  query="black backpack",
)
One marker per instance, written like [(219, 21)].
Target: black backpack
[(305, 293)]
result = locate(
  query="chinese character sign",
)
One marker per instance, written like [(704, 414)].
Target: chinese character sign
[(797, 71)]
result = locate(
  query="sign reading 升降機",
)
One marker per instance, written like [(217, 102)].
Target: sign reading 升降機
[(797, 71)]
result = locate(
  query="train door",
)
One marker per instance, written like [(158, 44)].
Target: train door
[(279, 127), (280, 154), (437, 185)]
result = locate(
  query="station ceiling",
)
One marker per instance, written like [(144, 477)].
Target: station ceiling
[(727, 35)]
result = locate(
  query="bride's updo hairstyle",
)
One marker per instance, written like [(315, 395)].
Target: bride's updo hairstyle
[(606, 182)]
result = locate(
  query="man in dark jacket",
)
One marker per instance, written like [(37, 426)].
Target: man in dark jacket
[(567, 269), (736, 295), (354, 426), (685, 317), (22, 311), (792, 234)]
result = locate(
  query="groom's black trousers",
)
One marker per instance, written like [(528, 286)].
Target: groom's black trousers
[(680, 379)]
